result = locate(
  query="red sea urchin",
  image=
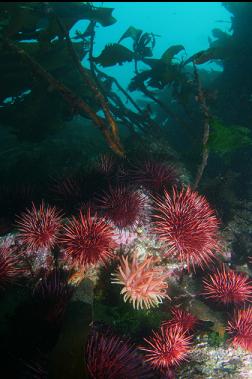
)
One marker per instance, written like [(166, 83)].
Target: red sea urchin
[(52, 294), (186, 223), (88, 240), (110, 357), (39, 227), (167, 348), (123, 206), (10, 268), (240, 329), (155, 176), (181, 318), (67, 189), (228, 287), (105, 164), (143, 284)]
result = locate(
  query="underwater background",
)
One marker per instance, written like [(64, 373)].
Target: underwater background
[(125, 190)]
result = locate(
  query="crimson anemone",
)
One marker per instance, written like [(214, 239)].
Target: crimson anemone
[(240, 329), (144, 285), (187, 224), (181, 318), (110, 357), (39, 227), (88, 240), (155, 176), (228, 287), (122, 205), (167, 347)]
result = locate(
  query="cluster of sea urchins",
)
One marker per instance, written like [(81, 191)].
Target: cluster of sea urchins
[(230, 288), (187, 227)]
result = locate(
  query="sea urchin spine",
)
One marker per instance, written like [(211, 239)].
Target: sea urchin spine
[(39, 227), (110, 357), (155, 176), (240, 329), (167, 348), (188, 226), (10, 268), (123, 206), (181, 318), (228, 287), (88, 240)]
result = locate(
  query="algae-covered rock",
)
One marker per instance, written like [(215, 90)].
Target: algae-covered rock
[(216, 362), (205, 313), (67, 358)]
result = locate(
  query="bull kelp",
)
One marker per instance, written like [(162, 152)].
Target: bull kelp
[(125, 194)]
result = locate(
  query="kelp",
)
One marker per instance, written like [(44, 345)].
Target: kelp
[(41, 111), (206, 118), (116, 53), (163, 71), (47, 75), (223, 47), (113, 54), (143, 42), (109, 127), (31, 21), (52, 62), (235, 7), (226, 139), (78, 104), (16, 77), (132, 33), (211, 54), (35, 115), (170, 53)]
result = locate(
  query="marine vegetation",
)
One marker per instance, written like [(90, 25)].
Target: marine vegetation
[(228, 138), (125, 212)]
